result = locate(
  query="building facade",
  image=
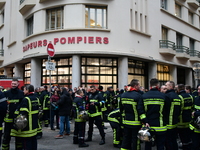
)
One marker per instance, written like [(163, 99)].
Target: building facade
[(100, 42)]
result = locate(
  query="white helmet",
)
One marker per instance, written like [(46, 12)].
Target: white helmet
[(146, 134), (197, 122), (20, 122), (84, 115)]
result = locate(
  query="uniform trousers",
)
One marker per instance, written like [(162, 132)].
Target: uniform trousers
[(79, 132), (185, 137), (3, 114), (117, 132), (29, 143), (195, 141), (171, 139)]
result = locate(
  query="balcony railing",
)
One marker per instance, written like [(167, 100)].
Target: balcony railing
[(1, 52), (166, 44), (194, 53), (26, 5), (182, 49)]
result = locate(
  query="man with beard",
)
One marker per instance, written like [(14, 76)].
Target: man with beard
[(14, 97)]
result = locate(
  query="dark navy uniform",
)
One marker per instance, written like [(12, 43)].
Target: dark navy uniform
[(131, 120), (152, 110)]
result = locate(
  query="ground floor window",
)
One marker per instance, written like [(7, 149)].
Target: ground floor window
[(163, 73), (62, 75), (137, 70), (99, 71), (181, 75), (27, 73)]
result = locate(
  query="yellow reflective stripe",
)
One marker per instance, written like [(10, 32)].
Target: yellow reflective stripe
[(1, 128), (20, 133), (45, 108), (159, 129), (142, 116), (171, 126), (113, 120), (114, 137), (127, 122), (34, 112), (93, 100), (24, 109), (197, 107), (16, 112), (186, 108), (153, 102), (8, 120), (95, 114), (129, 102), (13, 101)]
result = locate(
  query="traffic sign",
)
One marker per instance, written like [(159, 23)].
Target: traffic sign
[(50, 66), (50, 50)]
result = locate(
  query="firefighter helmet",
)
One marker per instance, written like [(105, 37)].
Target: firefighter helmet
[(146, 134), (84, 115), (20, 122)]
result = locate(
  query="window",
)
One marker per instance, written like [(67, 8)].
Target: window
[(1, 47), (2, 17), (192, 44), (137, 70), (164, 33), (179, 38), (99, 71), (29, 26), (163, 73), (163, 4), (190, 17), (177, 10), (62, 75), (27, 73), (54, 18), (96, 17)]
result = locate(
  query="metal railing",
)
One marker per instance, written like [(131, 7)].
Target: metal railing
[(1, 52), (166, 44), (194, 53), (21, 1), (182, 49)]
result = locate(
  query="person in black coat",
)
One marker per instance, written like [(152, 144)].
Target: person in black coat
[(65, 106)]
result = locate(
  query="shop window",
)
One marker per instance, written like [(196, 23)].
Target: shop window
[(163, 73), (96, 17), (137, 70), (61, 76), (29, 26), (54, 19), (27, 73), (99, 71)]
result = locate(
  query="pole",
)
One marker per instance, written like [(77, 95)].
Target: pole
[(49, 60)]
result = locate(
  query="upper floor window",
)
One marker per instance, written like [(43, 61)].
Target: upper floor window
[(1, 47), (179, 40), (190, 17), (54, 19), (177, 10), (164, 33), (192, 44), (96, 17), (163, 4), (29, 26)]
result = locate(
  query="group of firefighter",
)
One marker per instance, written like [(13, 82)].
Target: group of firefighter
[(161, 117)]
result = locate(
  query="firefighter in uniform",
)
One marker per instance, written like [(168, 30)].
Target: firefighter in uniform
[(79, 127), (115, 120), (14, 97), (45, 102), (193, 126), (3, 110), (152, 111), (185, 117), (131, 120), (174, 114), (94, 103), (29, 107), (103, 109)]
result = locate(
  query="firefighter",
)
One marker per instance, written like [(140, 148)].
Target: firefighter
[(3, 110), (45, 102), (131, 121), (115, 120), (29, 108), (185, 117), (152, 111), (14, 97), (174, 113), (95, 103), (194, 125), (79, 128)]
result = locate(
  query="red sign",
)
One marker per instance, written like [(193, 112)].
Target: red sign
[(50, 50)]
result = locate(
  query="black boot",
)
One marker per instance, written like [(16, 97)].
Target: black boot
[(75, 139), (88, 139), (83, 145), (102, 142)]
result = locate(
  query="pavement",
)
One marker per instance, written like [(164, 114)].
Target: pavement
[(48, 141)]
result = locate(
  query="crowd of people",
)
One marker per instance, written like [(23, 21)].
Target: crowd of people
[(169, 113)]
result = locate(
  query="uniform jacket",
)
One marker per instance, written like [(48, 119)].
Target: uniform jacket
[(78, 104)]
